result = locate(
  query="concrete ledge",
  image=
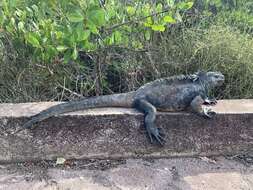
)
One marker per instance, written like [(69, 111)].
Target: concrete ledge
[(119, 133)]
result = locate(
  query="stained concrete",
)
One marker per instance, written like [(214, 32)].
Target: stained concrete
[(203, 173), (113, 133)]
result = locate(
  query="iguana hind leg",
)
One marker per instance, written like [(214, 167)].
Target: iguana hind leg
[(196, 106), (150, 116)]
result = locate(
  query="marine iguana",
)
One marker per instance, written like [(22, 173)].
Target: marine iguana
[(169, 94)]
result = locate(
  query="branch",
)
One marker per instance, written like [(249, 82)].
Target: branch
[(136, 20)]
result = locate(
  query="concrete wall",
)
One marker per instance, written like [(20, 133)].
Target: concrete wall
[(119, 133)]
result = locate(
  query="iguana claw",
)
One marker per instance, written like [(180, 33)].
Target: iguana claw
[(157, 133), (208, 113)]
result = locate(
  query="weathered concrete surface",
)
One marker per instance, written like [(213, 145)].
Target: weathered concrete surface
[(119, 133), (160, 174)]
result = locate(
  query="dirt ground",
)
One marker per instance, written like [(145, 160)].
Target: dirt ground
[(218, 173)]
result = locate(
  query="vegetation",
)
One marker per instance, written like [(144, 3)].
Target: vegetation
[(62, 50)]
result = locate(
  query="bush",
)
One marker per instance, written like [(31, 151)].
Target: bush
[(213, 36)]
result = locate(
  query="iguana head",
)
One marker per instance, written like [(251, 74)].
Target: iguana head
[(210, 79)]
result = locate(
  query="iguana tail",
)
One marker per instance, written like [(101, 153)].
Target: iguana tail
[(115, 100)]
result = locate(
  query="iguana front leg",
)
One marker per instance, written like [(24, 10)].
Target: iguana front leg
[(196, 106), (150, 116)]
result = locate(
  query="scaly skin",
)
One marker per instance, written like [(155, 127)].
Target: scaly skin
[(170, 94)]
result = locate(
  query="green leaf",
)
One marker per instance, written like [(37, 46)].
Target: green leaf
[(67, 56), (185, 5), (84, 35), (130, 10), (93, 28), (159, 7), (61, 48), (169, 19), (59, 34), (149, 22), (76, 16), (146, 9), (32, 39), (158, 27), (88, 46), (51, 52), (80, 33), (97, 16)]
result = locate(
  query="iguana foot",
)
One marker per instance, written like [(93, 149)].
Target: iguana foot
[(156, 133), (208, 113), (208, 101)]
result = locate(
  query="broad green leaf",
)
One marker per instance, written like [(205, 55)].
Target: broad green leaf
[(158, 27), (111, 13), (76, 16), (93, 28), (137, 44), (88, 45), (67, 56), (51, 52), (61, 48), (111, 40), (59, 34), (149, 22), (32, 39), (130, 10), (146, 9), (97, 16), (159, 7), (84, 35), (169, 19), (81, 34), (185, 5)]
